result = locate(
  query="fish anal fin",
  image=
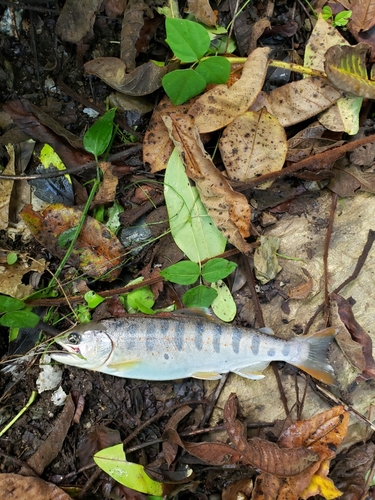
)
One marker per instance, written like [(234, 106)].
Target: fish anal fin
[(254, 371), (206, 375), (124, 365)]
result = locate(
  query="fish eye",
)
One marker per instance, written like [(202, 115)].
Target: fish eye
[(74, 338)]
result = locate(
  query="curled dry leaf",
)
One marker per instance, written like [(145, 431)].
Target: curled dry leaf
[(228, 209), (107, 188), (96, 438), (132, 23), (141, 81), (157, 145), (350, 179), (346, 69), (202, 11), (170, 447), (262, 454), (97, 251), (363, 15), (252, 145), (19, 487), (218, 107)]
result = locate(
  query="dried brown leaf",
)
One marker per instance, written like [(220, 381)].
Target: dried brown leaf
[(141, 81), (6, 189), (51, 447), (345, 67), (17, 487), (202, 11), (252, 145), (302, 291), (96, 438), (297, 101), (221, 105), (350, 179), (77, 19), (363, 14), (262, 454), (132, 23), (107, 188), (243, 487), (170, 448), (228, 209)]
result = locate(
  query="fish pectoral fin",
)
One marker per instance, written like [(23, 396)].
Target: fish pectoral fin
[(123, 365), (253, 371), (206, 375), (266, 330)]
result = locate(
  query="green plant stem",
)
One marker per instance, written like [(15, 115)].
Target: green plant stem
[(20, 413), (78, 228)]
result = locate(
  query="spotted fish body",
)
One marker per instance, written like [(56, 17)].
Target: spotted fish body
[(169, 349)]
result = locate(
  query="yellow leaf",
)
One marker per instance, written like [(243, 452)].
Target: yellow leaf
[(321, 486)]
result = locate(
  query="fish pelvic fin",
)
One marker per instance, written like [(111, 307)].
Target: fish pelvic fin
[(317, 364)]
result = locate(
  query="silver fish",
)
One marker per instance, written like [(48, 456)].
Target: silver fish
[(169, 349)]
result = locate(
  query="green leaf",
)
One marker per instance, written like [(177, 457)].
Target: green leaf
[(217, 269), (99, 213), (93, 299), (199, 296), (223, 306), (326, 12), (183, 273), (98, 137), (19, 319), (214, 70), (66, 238), (113, 217), (10, 304), (342, 18), (141, 299), (182, 84), (12, 258), (192, 228), (188, 40), (113, 461), (82, 313)]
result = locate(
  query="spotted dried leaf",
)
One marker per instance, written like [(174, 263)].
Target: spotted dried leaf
[(228, 209), (221, 105), (303, 290), (253, 144)]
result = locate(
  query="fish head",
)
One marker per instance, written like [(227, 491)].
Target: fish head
[(86, 346)]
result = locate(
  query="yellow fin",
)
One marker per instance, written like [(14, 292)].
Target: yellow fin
[(124, 365), (254, 371), (206, 375)]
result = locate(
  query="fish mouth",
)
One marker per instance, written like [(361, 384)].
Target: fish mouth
[(68, 352)]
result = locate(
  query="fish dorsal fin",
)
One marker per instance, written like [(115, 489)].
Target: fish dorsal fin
[(266, 330), (206, 375)]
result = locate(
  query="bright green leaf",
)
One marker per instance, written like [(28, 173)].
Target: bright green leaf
[(183, 273), (192, 228), (66, 237), (214, 70), (189, 41), (113, 461), (326, 12), (98, 137), (12, 258), (82, 313), (93, 299), (223, 306), (199, 296), (217, 269), (141, 300), (182, 84), (19, 319), (342, 18), (99, 213), (10, 304)]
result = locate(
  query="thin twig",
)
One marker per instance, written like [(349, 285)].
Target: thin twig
[(327, 244)]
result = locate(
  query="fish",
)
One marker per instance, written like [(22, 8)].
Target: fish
[(169, 349)]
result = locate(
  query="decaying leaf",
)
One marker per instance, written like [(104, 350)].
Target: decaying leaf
[(262, 454), (228, 209), (345, 67), (238, 490), (265, 259), (218, 107), (96, 438), (297, 101), (363, 15), (6, 188), (97, 250), (132, 23), (157, 145), (309, 142), (252, 145), (11, 282), (170, 447), (19, 487), (343, 116), (350, 179), (77, 19), (141, 81), (202, 11), (107, 188), (302, 291)]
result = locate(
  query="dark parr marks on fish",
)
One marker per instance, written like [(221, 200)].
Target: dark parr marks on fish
[(236, 340), (131, 332), (286, 350), (217, 337), (166, 356), (150, 338), (198, 338), (271, 352), (179, 336), (164, 326), (255, 344)]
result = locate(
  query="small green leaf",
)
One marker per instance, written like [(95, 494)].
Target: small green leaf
[(113, 461), (182, 84), (183, 273), (342, 18), (326, 12), (140, 300), (65, 238), (199, 296), (93, 299), (217, 269), (82, 313), (19, 319), (223, 306), (12, 258), (113, 217), (214, 70), (188, 40), (98, 137), (8, 304), (99, 213)]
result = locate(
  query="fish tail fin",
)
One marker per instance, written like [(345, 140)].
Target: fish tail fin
[(317, 364)]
